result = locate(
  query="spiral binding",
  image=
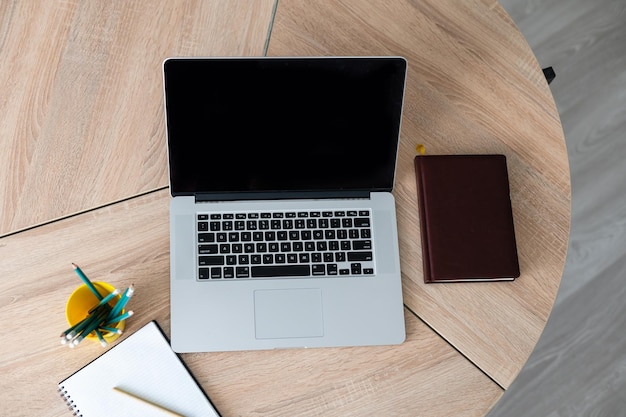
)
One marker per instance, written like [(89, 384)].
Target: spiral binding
[(70, 403)]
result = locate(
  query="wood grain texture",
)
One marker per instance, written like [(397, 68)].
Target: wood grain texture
[(78, 129), (474, 86), (129, 243), (578, 367), (81, 113)]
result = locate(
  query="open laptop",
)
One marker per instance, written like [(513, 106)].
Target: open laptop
[(283, 227)]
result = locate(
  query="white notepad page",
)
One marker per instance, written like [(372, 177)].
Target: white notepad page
[(144, 365)]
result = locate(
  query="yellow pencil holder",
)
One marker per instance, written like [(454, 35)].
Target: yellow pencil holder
[(82, 300)]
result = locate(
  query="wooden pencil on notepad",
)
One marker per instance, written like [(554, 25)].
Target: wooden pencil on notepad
[(143, 400)]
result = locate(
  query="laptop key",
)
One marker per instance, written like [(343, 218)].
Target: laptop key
[(319, 269), (211, 260), (280, 271), (242, 272), (216, 272), (359, 256), (207, 249), (206, 237), (362, 244), (203, 273), (362, 222)]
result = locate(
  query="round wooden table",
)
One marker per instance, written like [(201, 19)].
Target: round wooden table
[(87, 136)]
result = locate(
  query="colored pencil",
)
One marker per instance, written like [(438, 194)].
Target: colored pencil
[(143, 400), (111, 329), (119, 306), (88, 283), (119, 318), (101, 338), (106, 299)]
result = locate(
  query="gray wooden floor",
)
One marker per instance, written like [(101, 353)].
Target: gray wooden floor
[(579, 365)]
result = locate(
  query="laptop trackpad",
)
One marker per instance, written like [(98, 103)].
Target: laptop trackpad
[(289, 313)]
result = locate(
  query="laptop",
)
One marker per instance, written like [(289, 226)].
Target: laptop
[(282, 223)]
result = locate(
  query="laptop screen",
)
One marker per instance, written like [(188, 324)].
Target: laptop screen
[(238, 125)]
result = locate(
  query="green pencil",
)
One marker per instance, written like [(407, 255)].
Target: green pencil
[(106, 299), (101, 338), (119, 318), (88, 283), (121, 303), (113, 330), (91, 323)]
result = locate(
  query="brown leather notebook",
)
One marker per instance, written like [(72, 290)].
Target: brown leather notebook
[(466, 218)]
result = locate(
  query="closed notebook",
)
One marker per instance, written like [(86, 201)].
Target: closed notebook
[(466, 218), (143, 365)]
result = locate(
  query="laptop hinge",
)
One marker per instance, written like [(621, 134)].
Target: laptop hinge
[(285, 195)]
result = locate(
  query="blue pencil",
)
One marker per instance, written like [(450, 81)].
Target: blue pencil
[(86, 281)]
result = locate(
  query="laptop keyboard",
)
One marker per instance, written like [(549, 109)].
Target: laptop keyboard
[(249, 245)]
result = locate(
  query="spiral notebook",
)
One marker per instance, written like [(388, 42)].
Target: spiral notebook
[(144, 366)]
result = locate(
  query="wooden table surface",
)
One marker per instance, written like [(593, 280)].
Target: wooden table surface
[(83, 178)]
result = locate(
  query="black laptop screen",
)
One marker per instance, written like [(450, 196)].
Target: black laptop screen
[(282, 124)]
